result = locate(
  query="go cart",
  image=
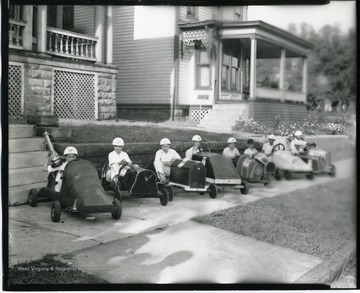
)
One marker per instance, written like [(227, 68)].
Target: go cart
[(319, 160), (220, 171), (255, 170), (139, 182), (191, 176), (81, 192), (287, 164)]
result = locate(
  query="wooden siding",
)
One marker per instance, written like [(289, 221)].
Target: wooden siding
[(265, 112), (204, 13), (84, 22), (145, 65), (184, 79)]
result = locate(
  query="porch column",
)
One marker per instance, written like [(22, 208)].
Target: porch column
[(253, 68), (109, 35), (305, 66), (41, 27), (282, 74), (99, 12), (27, 12)]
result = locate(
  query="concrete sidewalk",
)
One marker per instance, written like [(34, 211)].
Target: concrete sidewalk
[(152, 243)]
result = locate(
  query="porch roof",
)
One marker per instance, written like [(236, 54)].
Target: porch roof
[(270, 38)]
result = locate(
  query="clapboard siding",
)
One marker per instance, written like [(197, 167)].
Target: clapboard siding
[(84, 22), (145, 65), (266, 111), (204, 13), (184, 78)]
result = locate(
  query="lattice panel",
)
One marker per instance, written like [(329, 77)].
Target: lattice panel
[(15, 95), (74, 95), (197, 115)]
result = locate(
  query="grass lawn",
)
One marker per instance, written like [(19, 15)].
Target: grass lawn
[(317, 221), (50, 271), (138, 133)]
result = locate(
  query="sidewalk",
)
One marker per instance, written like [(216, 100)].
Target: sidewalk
[(152, 243)]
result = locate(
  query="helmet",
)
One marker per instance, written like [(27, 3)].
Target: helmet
[(271, 136), (118, 141), (298, 133), (196, 138), (70, 151), (231, 139), (165, 141)]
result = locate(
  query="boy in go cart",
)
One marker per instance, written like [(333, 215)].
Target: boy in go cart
[(296, 143), (117, 158), (163, 159), (250, 151), (56, 172), (268, 146), (231, 151), (195, 148)]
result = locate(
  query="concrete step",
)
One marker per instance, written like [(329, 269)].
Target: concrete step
[(21, 130), (19, 194), (18, 145), (27, 160), (26, 176)]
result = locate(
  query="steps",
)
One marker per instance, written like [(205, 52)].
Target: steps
[(223, 117), (26, 160)]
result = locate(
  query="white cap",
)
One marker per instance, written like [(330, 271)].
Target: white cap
[(271, 136), (196, 138), (70, 151), (165, 141), (118, 141), (231, 139), (298, 133)]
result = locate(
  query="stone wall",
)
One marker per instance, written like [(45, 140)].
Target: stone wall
[(106, 89), (37, 89)]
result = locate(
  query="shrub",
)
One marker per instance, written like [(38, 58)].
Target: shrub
[(250, 125)]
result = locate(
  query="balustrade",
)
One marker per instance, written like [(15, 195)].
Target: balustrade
[(16, 28)]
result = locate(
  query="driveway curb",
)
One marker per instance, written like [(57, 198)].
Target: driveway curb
[(330, 269)]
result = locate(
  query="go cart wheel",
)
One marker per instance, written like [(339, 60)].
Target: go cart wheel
[(201, 192), (33, 197), (170, 191), (56, 211), (118, 196), (213, 191), (164, 199), (116, 214), (310, 176), (246, 188), (332, 172), (287, 175), (277, 174)]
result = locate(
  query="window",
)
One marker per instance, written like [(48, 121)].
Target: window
[(35, 17), (51, 15), (203, 75), (15, 12), (230, 69), (191, 11), (68, 17)]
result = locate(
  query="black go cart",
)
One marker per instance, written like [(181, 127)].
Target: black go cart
[(220, 171), (191, 176), (81, 192), (139, 182), (257, 169)]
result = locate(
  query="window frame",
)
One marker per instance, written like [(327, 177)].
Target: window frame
[(198, 66), (232, 55), (192, 12)]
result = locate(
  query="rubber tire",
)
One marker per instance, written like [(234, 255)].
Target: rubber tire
[(213, 191), (170, 191), (310, 176), (55, 211), (277, 174), (333, 171), (164, 199), (118, 196), (246, 188), (116, 214), (202, 192), (33, 197), (287, 175)]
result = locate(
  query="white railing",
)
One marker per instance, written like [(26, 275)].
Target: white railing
[(276, 94), (70, 45), (16, 28)]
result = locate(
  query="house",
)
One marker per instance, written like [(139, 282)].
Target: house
[(158, 62)]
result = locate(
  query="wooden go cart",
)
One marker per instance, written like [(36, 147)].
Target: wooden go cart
[(287, 164), (139, 182), (220, 171), (319, 160), (257, 169), (191, 176), (81, 191)]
